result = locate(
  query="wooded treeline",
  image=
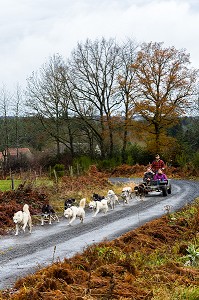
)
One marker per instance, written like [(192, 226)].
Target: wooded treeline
[(109, 101)]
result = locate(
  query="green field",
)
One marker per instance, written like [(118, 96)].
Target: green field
[(6, 185)]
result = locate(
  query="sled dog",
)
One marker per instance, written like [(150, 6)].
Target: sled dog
[(23, 218), (140, 191), (73, 212), (97, 197), (112, 198), (126, 194), (48, 214), (99, 206), (69, 202)]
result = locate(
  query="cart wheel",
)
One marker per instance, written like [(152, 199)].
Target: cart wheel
[(164, 191), (169, 190)]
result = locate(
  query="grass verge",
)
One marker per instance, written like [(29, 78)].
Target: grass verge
[(158, 261)]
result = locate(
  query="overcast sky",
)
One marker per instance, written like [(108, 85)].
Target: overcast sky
[(33, 30)]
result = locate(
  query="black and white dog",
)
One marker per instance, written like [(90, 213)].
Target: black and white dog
[(48, 214), (68, 203), (97, 197), (140, 191)]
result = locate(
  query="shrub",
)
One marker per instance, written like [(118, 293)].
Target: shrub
[(182, 160), (108, 164), (195, 160), (59, 169), (82, 164), (137, 155)]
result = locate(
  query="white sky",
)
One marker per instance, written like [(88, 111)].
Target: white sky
[(33, 30)]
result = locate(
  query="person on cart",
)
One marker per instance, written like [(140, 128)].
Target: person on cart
[(160, 176), (157, 164), (148, 176)]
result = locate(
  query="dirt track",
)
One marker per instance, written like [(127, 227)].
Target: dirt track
[(26, 253)]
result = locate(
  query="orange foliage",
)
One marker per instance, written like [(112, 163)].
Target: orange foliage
[(107, 270), (113, 273), (92, 180)]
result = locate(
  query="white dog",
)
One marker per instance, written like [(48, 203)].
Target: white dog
[(99, 205), (112, 198), (23, 218), (126, 194), (73, 212)]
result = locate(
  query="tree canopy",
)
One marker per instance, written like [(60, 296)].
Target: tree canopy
[(165, 87), (109, 95)]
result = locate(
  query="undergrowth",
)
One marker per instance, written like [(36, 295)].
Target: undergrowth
[(151, 262), (157, 261)]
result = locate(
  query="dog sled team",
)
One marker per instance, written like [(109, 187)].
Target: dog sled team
[(98, 203), (72, 211)]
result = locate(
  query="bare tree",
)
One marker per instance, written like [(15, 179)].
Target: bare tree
[(45, 98), (127, 89), (17, 108), (5, 100), (94, 67)]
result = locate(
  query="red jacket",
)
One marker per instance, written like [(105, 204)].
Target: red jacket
[(157, 164)]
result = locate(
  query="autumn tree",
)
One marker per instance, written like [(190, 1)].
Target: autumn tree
[(165, 88)]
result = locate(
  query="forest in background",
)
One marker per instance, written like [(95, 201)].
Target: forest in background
[(182, 154), (117, 104)]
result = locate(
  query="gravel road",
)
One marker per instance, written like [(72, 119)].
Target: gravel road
[(26, 253)]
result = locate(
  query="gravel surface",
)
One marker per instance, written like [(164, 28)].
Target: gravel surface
[(26, 253)]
